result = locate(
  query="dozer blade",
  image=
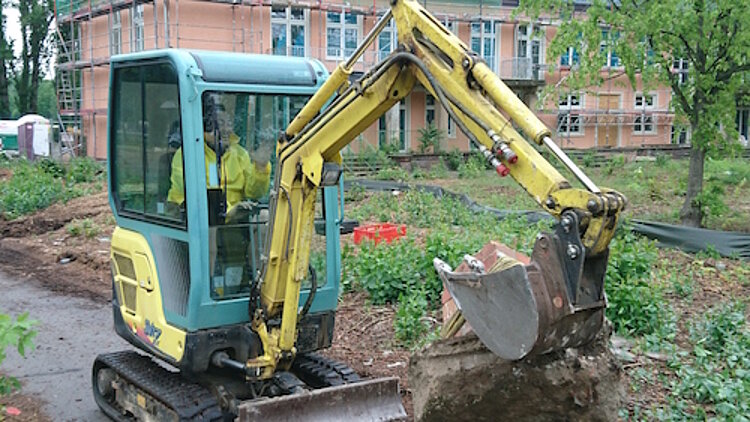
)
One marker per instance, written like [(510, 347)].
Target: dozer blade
[(552, 303), (371, 400)]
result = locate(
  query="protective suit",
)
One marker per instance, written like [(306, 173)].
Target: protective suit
[(245, 179)]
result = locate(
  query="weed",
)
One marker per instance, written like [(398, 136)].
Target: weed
[(17, 333), (85, 227), (635, 304), (472, 168), (392, 173), (355, 193), (588, 159), (454, 159), (614, 163), (410, 324), (662, 160), (83, 170), (439, 170)]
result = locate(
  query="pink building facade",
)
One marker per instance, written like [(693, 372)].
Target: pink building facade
[(609, 116)]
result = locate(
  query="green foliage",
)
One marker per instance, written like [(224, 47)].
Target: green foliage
[(83, 170), (85, 227), (711, 201), (649, 38), (410, 325), (614, 164), (37, 186), (589, 158), (439, 170), (716, 372), (454, 159), (355, 193), (392, 173), (473, 167), (430, 137), (636, 305), (16, 333)]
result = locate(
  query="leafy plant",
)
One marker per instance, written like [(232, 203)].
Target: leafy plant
[(85, 227), (454, 159), (472, 168), (409, 324), (439, 170), (83, 170), (430, 137), (392, 173), (17, 333), (635, 303), (614, 163)]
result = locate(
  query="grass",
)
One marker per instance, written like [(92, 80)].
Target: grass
[(655, 189), (35, 186)]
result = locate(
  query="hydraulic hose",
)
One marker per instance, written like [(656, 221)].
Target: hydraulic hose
[(311, 296)]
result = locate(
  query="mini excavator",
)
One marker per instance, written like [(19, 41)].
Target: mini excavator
[(221, 296)]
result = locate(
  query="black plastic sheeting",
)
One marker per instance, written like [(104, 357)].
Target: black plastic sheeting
[(688, 239)]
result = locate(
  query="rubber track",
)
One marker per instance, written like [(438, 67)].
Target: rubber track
[(319, 371), (192, 402)]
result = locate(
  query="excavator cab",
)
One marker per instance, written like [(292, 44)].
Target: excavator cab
[(192, 139)]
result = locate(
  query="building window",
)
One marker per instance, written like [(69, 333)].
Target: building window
[(387, 40), (679, 135), (680, 67), (644, 122), (451, 25), (288, 31), (528, 53), (570, 58), (606, 47), (403, 124), (451, 129), (342, 34), (115, 35), (569, 118), (742, 125), (136, 28), (483, 34), (429, 110), (382, 132)]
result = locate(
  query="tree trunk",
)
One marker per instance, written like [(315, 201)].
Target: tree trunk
[(691, 213)]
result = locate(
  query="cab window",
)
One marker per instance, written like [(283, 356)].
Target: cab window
[(145, 135)]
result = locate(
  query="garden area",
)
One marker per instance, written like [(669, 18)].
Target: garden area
[(679, 320)]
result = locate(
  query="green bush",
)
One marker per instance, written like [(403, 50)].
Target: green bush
[(614, 164), (439, 170), (85, 227), (83, 170), (429, 138), (17, 333), (395, 173), (454, 159), (636, 306), (409, 324), (473, 167)]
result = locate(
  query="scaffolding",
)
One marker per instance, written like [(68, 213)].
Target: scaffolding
[(89, 32)]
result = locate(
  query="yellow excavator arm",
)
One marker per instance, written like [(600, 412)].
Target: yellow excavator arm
[(564, 282)]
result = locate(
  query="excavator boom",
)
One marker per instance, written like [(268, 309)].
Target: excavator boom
[(557, 300)]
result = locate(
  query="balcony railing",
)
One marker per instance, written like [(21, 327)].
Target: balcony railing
[(521, 68)]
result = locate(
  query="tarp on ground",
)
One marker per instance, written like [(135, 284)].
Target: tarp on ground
[(688, 239)]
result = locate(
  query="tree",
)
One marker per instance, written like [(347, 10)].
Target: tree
[(711, 36), (47, 100), (35, 17), (6, 65)]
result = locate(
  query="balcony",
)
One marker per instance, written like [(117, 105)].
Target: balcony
[(521, 72)]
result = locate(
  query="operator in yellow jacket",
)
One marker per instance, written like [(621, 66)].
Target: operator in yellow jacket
[(244, 178)]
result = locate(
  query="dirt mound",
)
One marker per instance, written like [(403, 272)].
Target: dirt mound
[(461, 380), (55, 217)]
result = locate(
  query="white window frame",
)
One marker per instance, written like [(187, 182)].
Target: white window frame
[(743, 119), (572, 56), (681, 67), (478, 31), (115, 34), (342, 26), (610, 53), (451, 25), (137, 28), (429, 108), (646, 116), (385, 49), (289, 21), (569, 107)]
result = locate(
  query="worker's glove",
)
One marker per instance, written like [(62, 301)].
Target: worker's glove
[(261, 155)]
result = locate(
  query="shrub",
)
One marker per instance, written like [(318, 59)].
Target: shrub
[(409, 324), (439, 170), (430, 137), (472, 168), (17, 333), (83, 170), (392, 173), (85, 227), (454, 159), (636, 306)]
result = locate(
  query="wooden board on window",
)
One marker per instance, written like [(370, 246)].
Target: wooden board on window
[(608, 128)]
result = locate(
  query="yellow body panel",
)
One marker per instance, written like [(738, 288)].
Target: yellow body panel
[(146, 318)]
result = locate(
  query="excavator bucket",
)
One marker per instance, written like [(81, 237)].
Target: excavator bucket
[(371, 400), (553, 302)]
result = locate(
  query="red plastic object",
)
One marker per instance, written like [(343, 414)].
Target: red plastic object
[(378, 232), (502, 170)]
